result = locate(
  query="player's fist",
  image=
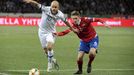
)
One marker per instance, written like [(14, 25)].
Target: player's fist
[(76, 31), (55, 34), (108, 26)]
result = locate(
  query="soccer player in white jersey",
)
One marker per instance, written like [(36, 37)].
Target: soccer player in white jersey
[(50, 14)]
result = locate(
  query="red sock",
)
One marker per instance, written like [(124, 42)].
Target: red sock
[(80, 63), (91, 58)]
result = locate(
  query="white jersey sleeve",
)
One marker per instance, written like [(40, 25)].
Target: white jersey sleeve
[(43, 8), (60, 16)]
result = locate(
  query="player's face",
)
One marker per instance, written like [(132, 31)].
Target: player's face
[(76, 19), (54, 8)]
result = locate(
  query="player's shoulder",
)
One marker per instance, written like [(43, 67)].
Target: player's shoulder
[(60, 13), (87, 19), (48, 8), (45, 8)]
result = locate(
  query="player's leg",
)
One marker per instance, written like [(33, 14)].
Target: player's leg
[(51, 60), (92, 52), (49, 51), (42, 38), (47, 47), (80, 62), (82, 50), (92, 55), (49, 56), (45, 51)]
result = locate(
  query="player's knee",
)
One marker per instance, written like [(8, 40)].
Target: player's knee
[(49, 46), (80, 58), (92, 52), (92, 55), (45, 50)]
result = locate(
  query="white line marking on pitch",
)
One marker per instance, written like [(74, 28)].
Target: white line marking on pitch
[(3, 74), (75, 70)]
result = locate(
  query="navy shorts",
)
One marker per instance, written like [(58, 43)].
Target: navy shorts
[(85, 46)]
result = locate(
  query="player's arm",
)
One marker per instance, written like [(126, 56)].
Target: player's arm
[(106, 25), (71, 28), (33, 2), (103, 22), (97, 20), (63, 32), (68, 24)]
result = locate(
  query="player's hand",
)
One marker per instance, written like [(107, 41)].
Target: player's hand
[(75, 31), (55, 34), (108, 26)]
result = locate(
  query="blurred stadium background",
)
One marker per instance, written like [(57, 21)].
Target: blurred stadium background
[(20, 49), (86, 7)]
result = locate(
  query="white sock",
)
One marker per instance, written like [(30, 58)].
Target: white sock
[(50, 56)]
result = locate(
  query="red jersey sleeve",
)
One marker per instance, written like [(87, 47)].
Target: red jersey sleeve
[(97, 20), (88, 20), (63, 32)]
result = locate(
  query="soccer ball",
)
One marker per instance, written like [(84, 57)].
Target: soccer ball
[(34, 71)]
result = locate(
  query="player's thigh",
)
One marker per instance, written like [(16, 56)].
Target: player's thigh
[(50, 40), (92, 51), (80, 55), (94, 45), (84, 47), (42, 38)]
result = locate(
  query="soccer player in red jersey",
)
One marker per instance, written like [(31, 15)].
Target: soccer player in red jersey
[(89, 39)]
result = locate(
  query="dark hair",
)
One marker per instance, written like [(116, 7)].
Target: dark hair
[(73, 13)]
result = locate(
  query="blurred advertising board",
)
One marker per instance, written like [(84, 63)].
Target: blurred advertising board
[(24, 21)]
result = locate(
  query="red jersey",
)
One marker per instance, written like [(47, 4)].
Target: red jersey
[(86, 30)]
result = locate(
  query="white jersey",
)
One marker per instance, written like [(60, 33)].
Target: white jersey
[(48, 20)]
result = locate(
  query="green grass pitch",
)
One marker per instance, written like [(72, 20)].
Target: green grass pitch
[(20, 50)]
